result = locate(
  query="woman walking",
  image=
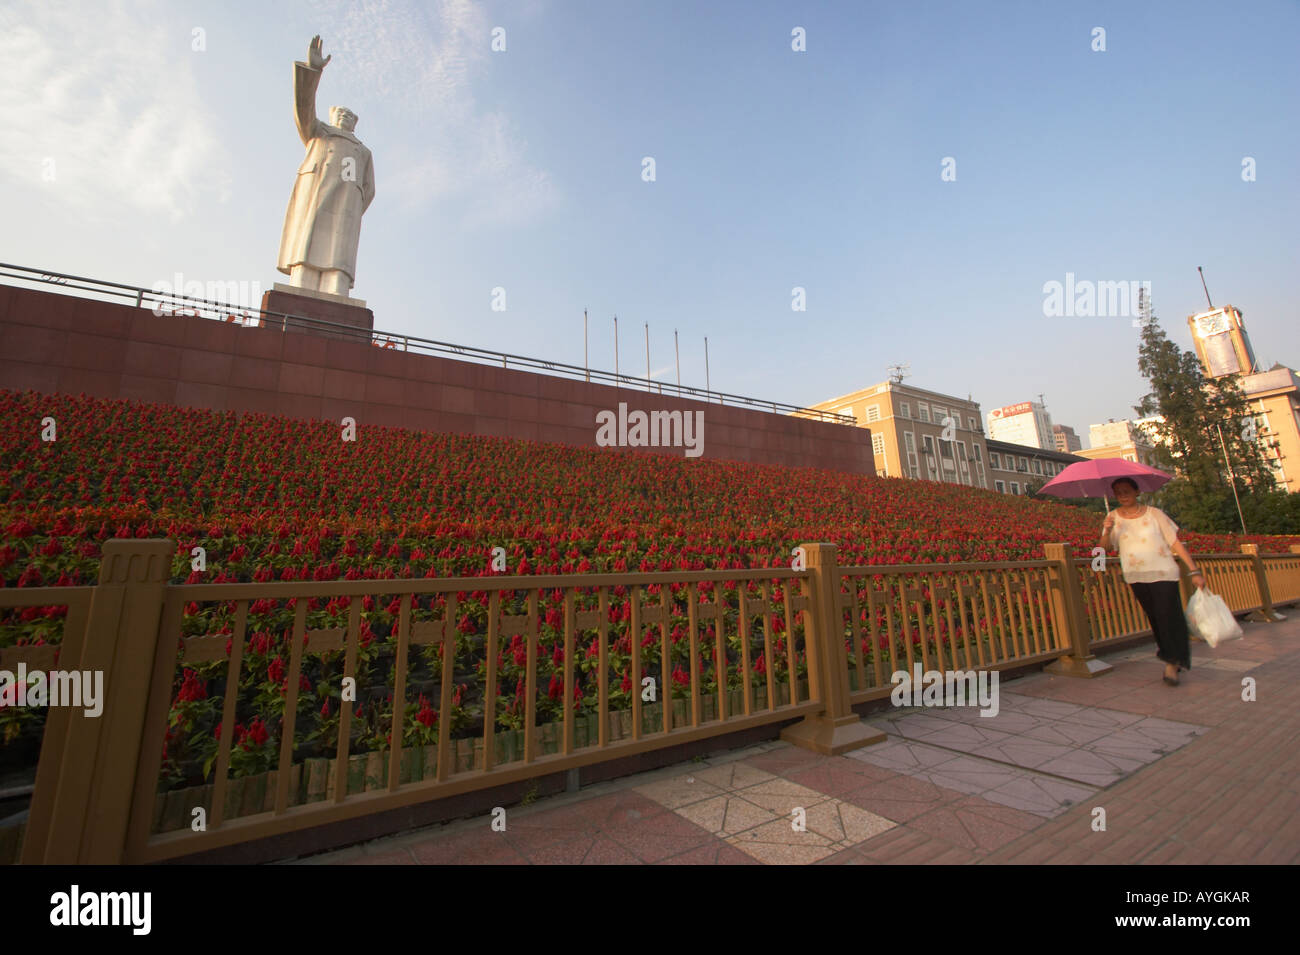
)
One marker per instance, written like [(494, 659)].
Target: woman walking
[(1147, 541)]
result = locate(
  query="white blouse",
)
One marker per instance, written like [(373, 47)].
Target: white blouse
[(1144, 544)]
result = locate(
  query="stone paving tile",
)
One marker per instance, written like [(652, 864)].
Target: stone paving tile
[(966, 736), (1110, 719), (1066, 733), (1099, 769), (781, 796), (712, 854), (785, 759), (659, 837), (959, 826), (777, 843), (680, 790), (726, 815), (733, 775), (914, 725), (970, 775), (1008, 721), (603, 852), (1020, 751), (844, 823), (1040, 795), (901, 755), (902, 798), (1051, 709), (843, 775), (480, 846)]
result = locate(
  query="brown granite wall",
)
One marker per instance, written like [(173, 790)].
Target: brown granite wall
[(51, 342)]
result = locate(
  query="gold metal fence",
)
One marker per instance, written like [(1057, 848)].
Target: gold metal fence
[(736, 630), (1282, 576), (945, 617), (70, 653), (1112, 610), (449, 677)]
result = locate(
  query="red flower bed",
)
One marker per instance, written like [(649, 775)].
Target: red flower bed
[(276, 499)]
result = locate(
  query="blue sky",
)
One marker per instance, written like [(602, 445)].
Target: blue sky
[(819, 169)]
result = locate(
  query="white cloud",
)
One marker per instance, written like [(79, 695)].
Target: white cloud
[(111, 99), (422, 62)]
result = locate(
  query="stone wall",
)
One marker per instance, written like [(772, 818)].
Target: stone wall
[(52, 342)]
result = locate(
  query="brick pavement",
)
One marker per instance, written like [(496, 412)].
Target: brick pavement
[(1187, 774)]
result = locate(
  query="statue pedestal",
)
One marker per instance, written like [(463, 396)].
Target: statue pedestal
[(305, 308)]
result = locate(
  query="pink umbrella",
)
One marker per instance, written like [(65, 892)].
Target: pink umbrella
[(1094, 478)]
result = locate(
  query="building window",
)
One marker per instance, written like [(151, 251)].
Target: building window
[(878, 443), (1015, 487), (922, 412), (979, 455), (974, 425), (873, 413), (1002, 488), (909, 442), (904, 411), (1024, 465), (1038, 466), (994, 460)]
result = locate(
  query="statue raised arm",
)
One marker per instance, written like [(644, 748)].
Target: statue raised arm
[(334, 187)]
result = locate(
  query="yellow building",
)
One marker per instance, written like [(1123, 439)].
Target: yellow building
[(1129, 440), (918, 433), (1128, 450), (1274, 396)]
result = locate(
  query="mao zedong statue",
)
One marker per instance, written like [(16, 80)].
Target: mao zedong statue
[(335, 184)]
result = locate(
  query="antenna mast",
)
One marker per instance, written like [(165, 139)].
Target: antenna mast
[(898, 372)]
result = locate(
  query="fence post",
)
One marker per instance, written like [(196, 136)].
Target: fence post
[(1067, 605), (1266, 613), (836, 729), (95, 780)]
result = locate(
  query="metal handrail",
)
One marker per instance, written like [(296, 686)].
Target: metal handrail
[(409, 343)]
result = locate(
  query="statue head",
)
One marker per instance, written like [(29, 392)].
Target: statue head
[(343, 118)]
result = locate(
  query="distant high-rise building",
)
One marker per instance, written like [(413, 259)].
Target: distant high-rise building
[(1026, 423), (1065, 438), (1221, 342), (1121, 439)]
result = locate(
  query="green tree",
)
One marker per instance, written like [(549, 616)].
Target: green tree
[(1203, 422)]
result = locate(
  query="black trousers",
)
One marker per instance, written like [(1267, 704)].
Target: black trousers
[(1163, 605)]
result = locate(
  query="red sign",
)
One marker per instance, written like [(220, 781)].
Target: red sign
[(1023, 407)]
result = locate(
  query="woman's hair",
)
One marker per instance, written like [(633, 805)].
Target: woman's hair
[(1129, 481)]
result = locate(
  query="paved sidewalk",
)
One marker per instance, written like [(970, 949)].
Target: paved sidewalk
[(1187, 774)]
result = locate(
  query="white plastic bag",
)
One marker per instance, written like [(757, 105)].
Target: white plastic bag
[(1210, 619)]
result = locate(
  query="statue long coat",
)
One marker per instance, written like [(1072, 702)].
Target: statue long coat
[(323, 223)]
